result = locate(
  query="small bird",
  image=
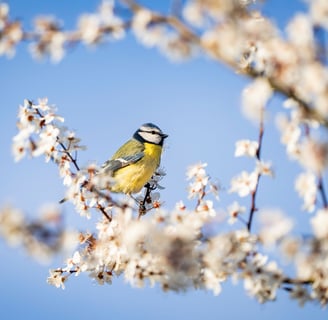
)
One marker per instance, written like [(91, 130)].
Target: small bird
[(134, 163)]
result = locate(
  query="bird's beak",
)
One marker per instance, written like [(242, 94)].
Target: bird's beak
[(164, 136)]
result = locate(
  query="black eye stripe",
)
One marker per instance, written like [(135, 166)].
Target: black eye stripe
[(151, 131)]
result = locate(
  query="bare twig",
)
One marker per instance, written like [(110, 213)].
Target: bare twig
[(147, 199), (322, 192), (254, 193)]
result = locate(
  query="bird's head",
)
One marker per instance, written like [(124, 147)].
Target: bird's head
[(150, 133)]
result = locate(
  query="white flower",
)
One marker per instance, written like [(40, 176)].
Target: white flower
[(141, 19), (107, 14), (264, 168), (300, 33), (212, 281), (4, 11), (319, 12), (199, 179), (148, 35), (197, 170), (290, 247), (75, 260), (47, 142), (11, 226), (246, 148), (21, 143), (234, 210), (192, 12), (56, 278), (254, 99), (306, 186), (314, 155), (206, 207), (244, 184), (180, 206), (89, 27), (274, 226), (56, 46), (319, 223), (290, 134), (175, 47)]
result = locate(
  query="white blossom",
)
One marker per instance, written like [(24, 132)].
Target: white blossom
[(264, 168), (174, 249), (314, 155), (193, 13), (212, 281), (199, 178), (234, 210), (320, 223), (148, 35), (263, 285), (246, 148), (300, 32), (290, 134), (274, 226), (318, 11), (89, 27), (306, 186), (57, 279), (244, 184), (206, 207), (255, 97)]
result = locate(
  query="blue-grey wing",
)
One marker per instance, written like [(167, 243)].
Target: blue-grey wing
[(115, 164)]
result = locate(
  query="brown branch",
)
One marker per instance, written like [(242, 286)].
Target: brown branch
[(296, 281), (147, 199), (102, 210), (73, 160), (254, 193), (189, 35), (322, 192)]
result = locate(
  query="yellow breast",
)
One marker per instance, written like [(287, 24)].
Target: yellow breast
[(132, 178)]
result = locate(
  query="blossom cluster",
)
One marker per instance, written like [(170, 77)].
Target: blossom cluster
[(43, 237), (178, 250), (301, 139), (11, 32), (182, 249), (259, 51), (41, 133)]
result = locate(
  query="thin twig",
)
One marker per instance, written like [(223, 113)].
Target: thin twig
[(73, 160), (254, 193), (322, 192), (147, 199), (296, 281), (102, 210)]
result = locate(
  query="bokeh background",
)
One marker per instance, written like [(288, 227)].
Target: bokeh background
[(104, 94)]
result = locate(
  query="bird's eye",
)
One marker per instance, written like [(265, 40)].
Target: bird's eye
[(153, 132)]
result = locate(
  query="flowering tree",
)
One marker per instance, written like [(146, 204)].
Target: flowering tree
[(139, 238)]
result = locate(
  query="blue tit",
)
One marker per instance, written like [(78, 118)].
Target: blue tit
[(134, 163)]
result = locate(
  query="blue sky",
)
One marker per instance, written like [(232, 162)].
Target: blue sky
[(105, 94)]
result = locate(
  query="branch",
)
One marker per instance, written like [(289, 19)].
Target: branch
[(322, 192), (254, 193), (187, 34)]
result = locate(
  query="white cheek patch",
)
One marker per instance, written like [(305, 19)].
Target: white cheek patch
[(154, 138)]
